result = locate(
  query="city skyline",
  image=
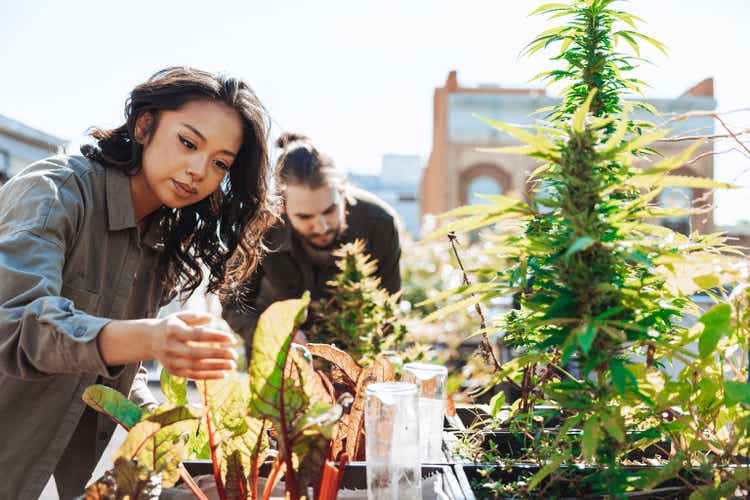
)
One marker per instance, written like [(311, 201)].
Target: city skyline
[(359, 80)]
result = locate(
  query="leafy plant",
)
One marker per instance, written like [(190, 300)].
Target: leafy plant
[(360, 317), (603, 299), (288, 393), (283, 395), (155, 445), (349, 441)]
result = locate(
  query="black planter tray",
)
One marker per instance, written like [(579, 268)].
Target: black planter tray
[(468, 474), (467, 416), (509, 444), (355, 476), (472, 415)]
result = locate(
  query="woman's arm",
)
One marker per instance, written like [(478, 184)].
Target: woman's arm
[(42, 332)]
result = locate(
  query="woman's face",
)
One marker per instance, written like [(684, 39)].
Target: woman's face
[(187, 155)]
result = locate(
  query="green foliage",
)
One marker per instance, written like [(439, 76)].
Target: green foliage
[(605, 296), (589, 50), (715, 324), (113, 404), (360, 318), (174, 388), (286, 391), (282, 392), (159, 442), (127, 480)]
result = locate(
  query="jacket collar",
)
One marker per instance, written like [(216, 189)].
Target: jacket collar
[(121, 212)]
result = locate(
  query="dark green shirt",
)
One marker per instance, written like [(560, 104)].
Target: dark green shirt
[(71, 260), (287, 271)]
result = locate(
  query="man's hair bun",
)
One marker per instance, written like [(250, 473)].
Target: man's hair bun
[(289, 137)]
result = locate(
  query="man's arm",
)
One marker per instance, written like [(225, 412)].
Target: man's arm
[(240, 311), (388, 255)]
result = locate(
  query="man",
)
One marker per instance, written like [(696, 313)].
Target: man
[(320, 213)]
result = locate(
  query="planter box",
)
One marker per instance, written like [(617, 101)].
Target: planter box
[(472, 415), (509, 444), (467, 416), (355, 478), (470, 475)]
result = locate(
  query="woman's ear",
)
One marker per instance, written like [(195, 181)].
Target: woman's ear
[(144, 125)]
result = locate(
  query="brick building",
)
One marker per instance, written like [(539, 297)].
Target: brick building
[(457, 170)]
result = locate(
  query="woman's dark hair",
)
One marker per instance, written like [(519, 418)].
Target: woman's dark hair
[(302, 163), (225, 230)]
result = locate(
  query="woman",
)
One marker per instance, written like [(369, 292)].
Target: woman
[(92, 245)]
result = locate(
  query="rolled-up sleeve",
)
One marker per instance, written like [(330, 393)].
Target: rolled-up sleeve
[(41, 331)]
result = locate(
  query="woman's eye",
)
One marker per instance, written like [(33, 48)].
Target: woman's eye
[(221, 165), (187, 143)]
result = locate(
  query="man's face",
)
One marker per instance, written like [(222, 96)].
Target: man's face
[(316, 215)]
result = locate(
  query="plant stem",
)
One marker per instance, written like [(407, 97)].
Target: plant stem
[(254, 467), (291, 481), (191, 484), (486, 347), (277, 465), (212, 445)]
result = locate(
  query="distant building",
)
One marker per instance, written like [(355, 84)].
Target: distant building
[(398, 185), (21, 145), (457, 171)]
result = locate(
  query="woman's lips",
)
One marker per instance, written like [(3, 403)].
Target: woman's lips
[(183, 190)]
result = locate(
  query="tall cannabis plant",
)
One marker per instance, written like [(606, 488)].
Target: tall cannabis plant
[(598, 310)]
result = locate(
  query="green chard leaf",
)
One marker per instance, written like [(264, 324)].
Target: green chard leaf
[(174, 388), (110, 402)]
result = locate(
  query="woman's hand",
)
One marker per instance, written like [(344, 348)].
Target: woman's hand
[(186, 348), (179, 342)]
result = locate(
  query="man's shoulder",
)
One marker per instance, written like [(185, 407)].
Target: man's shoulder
[(369, 207)]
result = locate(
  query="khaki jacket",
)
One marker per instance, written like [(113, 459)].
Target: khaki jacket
[(71, 260)]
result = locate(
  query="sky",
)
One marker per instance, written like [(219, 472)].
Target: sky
[(357, 77)]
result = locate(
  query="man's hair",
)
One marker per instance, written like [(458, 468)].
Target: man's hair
[(230, 222), (3, 177), (301, 163)]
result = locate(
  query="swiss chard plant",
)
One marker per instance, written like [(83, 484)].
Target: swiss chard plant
[(350, 438), (606, 295), (282, 396)]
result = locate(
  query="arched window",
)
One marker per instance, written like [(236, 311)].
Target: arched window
[(483, 184)]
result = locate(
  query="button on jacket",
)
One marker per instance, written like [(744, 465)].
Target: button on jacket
[(71, 260)]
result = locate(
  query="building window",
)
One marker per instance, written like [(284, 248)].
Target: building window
[(680, 198), (483, 184)]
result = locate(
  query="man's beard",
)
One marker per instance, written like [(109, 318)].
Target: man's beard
[(336, 233)]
